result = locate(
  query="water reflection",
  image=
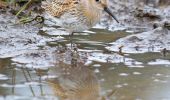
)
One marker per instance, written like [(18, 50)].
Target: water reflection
[(110, 77), (15, 83), (69, 79), (75, 81)]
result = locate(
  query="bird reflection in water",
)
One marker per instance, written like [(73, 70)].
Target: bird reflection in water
[(75, 81)]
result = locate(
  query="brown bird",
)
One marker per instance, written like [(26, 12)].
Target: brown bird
[(76, 15)]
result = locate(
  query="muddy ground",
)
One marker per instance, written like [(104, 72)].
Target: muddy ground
[(37, 61)]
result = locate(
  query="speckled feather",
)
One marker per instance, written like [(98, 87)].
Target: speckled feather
[(58, 7), (75, 15)]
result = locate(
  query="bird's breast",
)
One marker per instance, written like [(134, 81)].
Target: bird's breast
[(92, 16), (75, 22)]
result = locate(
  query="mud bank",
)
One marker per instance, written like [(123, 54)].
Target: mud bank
[(137, 15), (23, 43), (148, 18)]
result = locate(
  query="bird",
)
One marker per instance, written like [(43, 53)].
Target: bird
[(76, 15)]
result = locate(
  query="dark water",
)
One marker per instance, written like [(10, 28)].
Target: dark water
[(71, 80)]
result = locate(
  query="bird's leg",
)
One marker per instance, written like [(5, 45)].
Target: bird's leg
[(72, 33), (71, 39), (73, 46)]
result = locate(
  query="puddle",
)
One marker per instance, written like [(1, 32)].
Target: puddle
[(42, 66)]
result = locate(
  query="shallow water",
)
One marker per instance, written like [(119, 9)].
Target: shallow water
[(107, 74)]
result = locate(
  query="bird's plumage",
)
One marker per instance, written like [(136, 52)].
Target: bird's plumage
[(58, 7), (75, 15)]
